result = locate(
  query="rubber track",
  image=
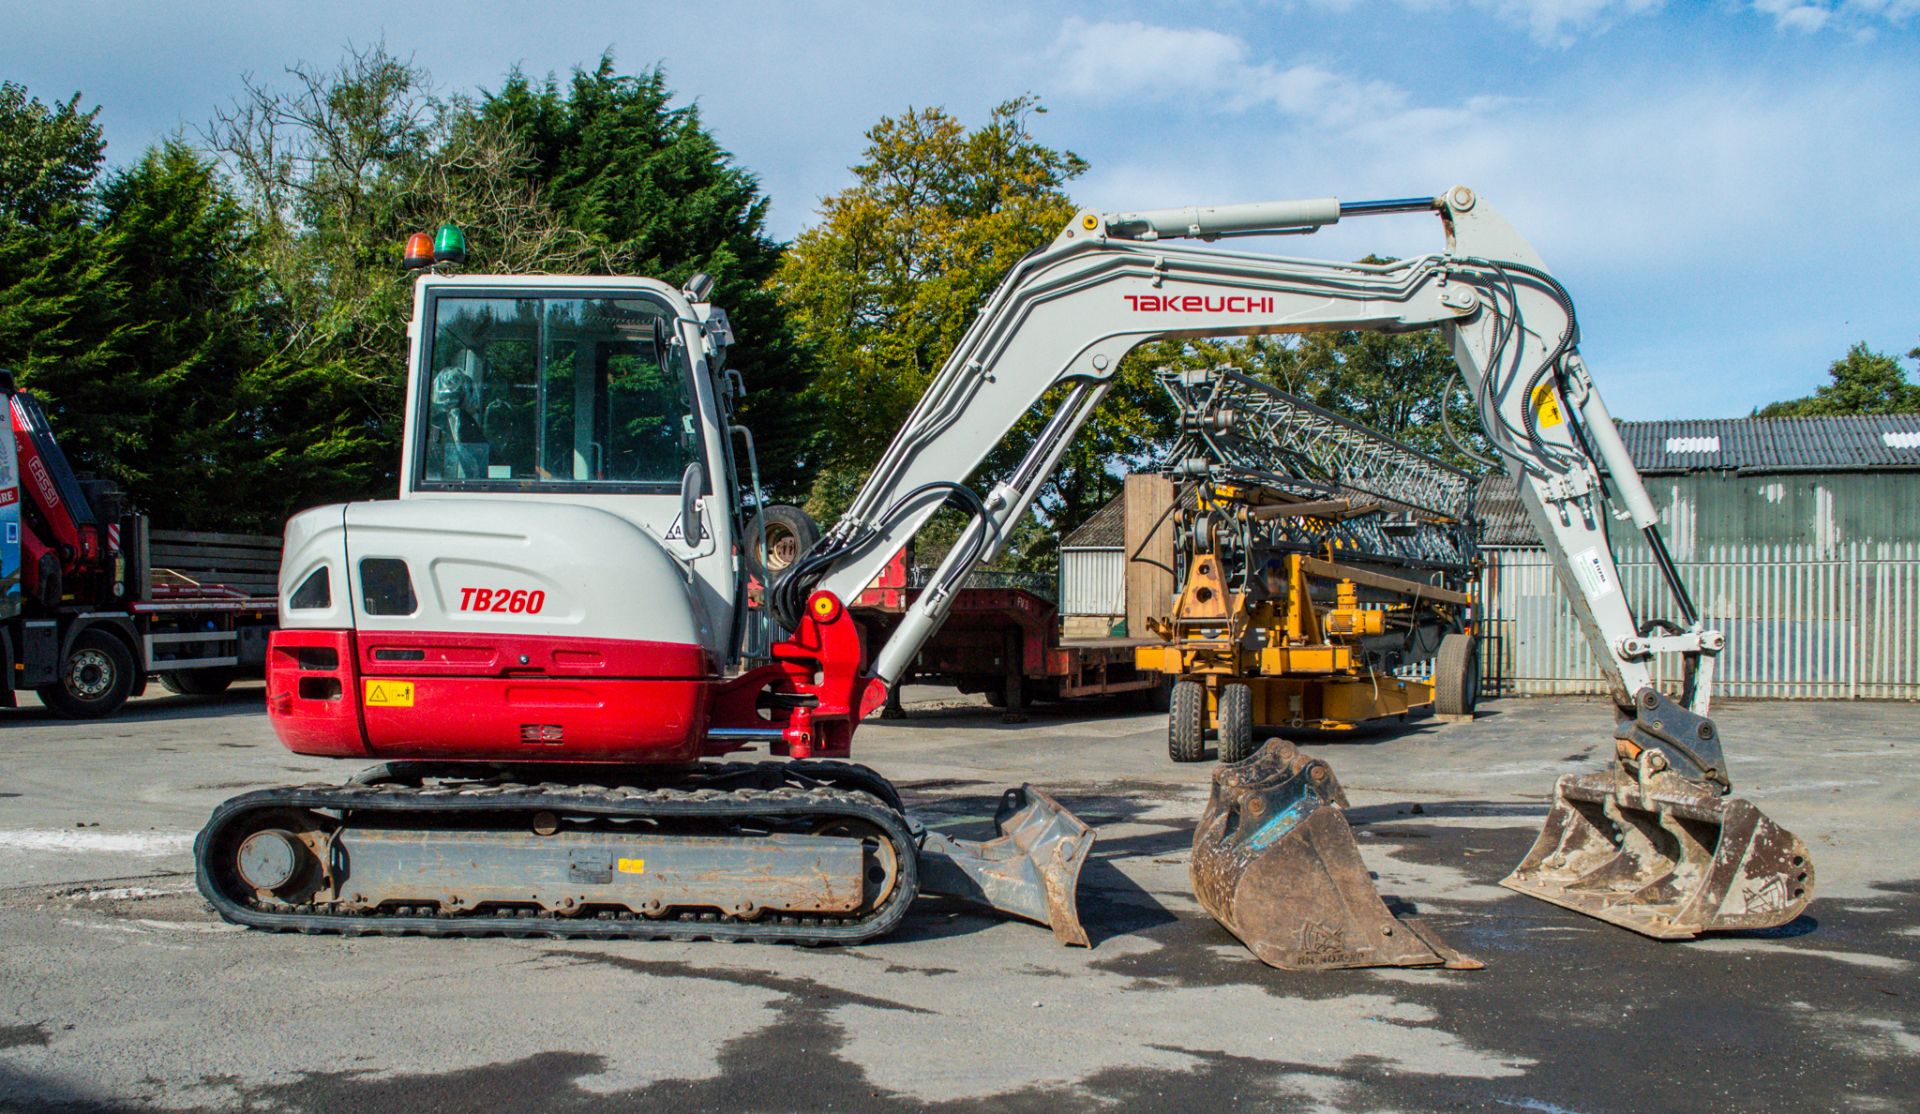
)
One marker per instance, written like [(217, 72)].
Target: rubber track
[(447, 801)]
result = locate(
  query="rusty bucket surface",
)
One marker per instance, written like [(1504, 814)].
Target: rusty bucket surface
[(1030, 869), (1275, 862), (1668, 858)]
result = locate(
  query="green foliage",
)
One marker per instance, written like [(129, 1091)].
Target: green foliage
[(881, 289), (883, 286), (125, 306), (654, 193), (189, 448), (59, 286), (227, 339), (49, 156), (1864, 382), (335, 171)]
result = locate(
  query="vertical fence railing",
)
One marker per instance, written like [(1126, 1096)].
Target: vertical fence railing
[(1834, 623)]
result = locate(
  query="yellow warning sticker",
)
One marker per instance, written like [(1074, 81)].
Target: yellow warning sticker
[(389, 694), (631, 866), (1546, 408)]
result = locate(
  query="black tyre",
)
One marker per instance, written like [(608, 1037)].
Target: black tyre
[(197, 682), (1456, 675), (790, 533), (95, 678), (1236, 723), (1187, 722)]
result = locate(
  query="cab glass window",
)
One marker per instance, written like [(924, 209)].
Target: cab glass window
[(554, 392)]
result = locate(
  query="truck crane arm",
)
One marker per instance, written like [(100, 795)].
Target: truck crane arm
[(1649, 843)]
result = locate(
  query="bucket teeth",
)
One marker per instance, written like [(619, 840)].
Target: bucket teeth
[(1669, 859), (1275, 862)]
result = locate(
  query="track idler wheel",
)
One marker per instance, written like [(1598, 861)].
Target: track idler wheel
[(1275, 862)]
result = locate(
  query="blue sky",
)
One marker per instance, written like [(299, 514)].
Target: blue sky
[(1730, 189)]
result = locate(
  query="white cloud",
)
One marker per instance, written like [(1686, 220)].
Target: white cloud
[(1548, 22), (1860, 16), (1682, 200), (1615, 168), (1134, 61), (1129, 58), (1794, 15), (1553, 22)]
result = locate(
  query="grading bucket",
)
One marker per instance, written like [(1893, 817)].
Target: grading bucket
[(1664, 856)]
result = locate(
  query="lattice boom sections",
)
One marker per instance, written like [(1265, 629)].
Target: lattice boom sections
[(1233, 427)]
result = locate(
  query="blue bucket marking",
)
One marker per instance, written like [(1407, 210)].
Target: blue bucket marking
[(1284, 821)]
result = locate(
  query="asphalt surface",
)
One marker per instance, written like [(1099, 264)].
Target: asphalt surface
[(119, 989)]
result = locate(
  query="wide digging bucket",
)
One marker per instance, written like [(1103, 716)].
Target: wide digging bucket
[(1275, 862), (1671, 860), (1030, 869)]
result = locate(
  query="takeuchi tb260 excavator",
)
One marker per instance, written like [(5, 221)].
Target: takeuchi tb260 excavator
[(545, 641)]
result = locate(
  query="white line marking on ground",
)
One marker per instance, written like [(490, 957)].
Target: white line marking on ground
[(127, 893), (126, 843), (1858, 959)]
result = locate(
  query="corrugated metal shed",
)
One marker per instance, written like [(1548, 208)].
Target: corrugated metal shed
[(1850, 478), (1107, 529), (1796, 536), (1846, 444)]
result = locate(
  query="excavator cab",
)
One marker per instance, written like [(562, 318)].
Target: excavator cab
[(537, 580)]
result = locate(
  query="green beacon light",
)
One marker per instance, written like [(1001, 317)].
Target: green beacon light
[(450, 245)]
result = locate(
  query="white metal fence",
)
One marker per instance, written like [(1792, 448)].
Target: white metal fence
[(1839, 622)]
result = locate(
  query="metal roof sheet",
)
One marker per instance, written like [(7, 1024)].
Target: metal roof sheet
[(1503, 521), (1107, 529), (1843, 444)]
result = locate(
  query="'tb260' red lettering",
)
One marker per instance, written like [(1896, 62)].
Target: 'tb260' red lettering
[(506, 601)]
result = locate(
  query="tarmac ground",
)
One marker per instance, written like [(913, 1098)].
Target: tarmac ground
[(120, 989)]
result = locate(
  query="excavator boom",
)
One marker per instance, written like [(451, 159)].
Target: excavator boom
[(1645, 844)]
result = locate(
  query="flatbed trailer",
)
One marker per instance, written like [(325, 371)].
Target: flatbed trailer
[(1004, 640)]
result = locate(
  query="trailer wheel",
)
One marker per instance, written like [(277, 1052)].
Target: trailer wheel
[(197, 682), (1236, 723), (790, 533), (94, 680), (1187, 722), (1456, 675)]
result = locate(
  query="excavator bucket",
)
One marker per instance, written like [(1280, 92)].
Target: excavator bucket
[(1275, 862), (1670, 859), (1030, 869)]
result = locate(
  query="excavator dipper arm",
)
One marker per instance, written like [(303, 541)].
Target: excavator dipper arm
[(1645, 844)]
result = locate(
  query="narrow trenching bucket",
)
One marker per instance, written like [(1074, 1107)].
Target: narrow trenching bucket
[(1030, 869), (1670, 858), (1275, 862)]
